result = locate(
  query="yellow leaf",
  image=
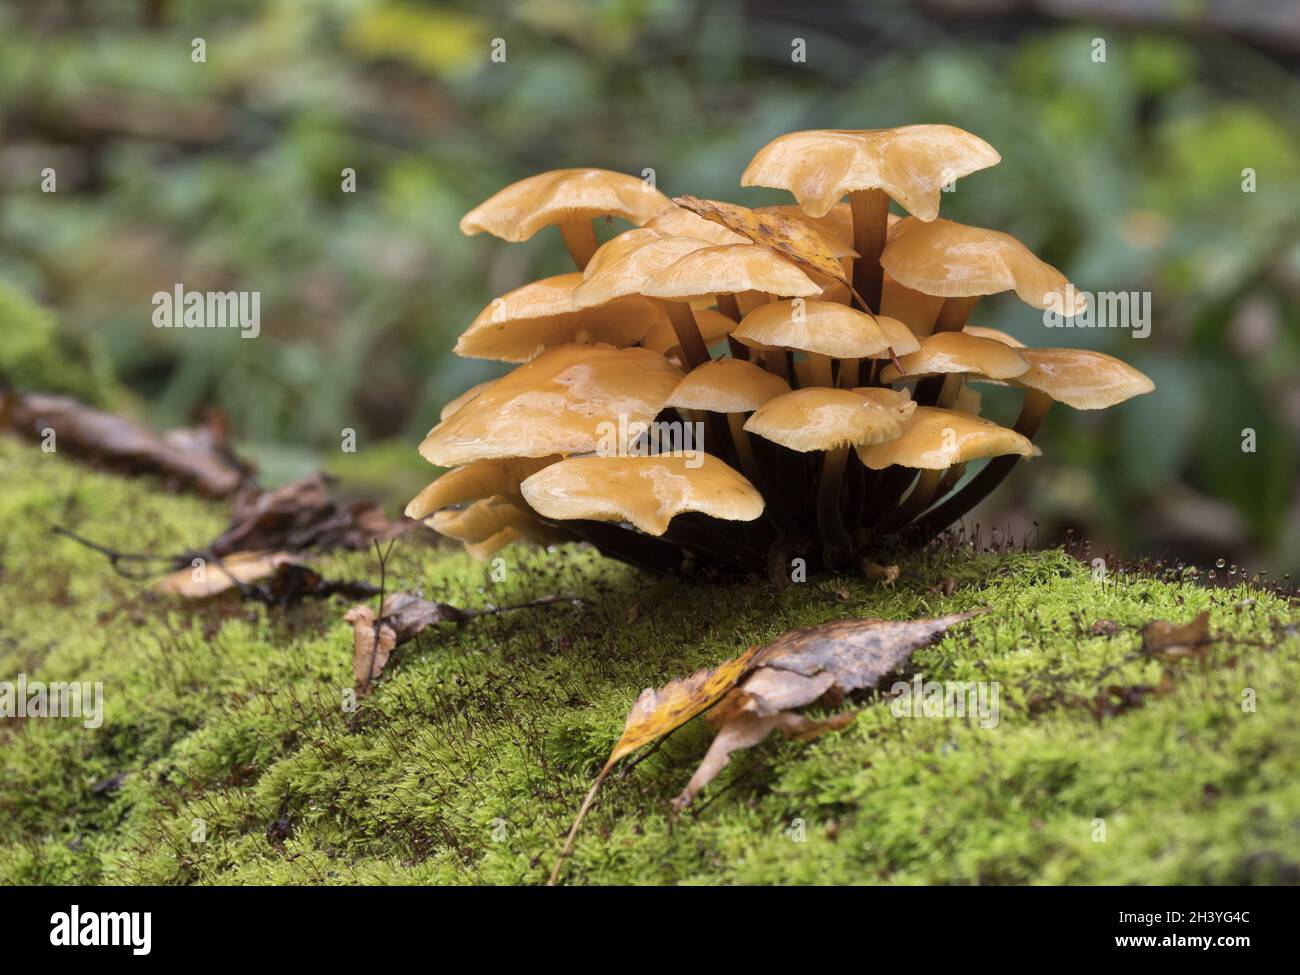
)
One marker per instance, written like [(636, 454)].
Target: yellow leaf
[(656, 713), (800, 241)]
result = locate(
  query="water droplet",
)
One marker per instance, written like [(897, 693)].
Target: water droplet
[(1221, 563)]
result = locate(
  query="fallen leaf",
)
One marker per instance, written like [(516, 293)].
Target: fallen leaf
[(796, 669), (1104, 628), (195, 459), (372, 645), (403, 617), (213, 576), (1177, 640), (857, 653), (800, 241), (801, 666), (745, 730), (656, 713), (304, 515)]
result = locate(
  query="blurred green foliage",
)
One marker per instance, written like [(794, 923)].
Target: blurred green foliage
[(1127, 174)]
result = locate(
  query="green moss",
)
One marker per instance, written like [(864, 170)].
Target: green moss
[(467, 763), (34, 354)]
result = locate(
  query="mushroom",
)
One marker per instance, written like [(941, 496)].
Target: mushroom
[(556, 445), (1079, 378), (522, 323), (646, 491), (481, 479), (713, 326), (829, 420), (952, 355), (729, 268), (911, 164), (934, 440), (960, 263), (568, 400), (732, 387), (569, 198), (980, 331), (916, 309), (486, 518), (455, 404), (824, 329), (627, 264)]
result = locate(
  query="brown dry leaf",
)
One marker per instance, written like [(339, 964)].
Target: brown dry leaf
[(798, 668), (856, 653), (371, 646), (1176, 640), (196, 459), (304, 515), (214, 576), (790, 237)]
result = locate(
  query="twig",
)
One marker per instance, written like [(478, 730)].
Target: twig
[(114, 556)]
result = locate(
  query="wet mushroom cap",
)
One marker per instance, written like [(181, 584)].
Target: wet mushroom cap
[(455, 405), (952, 260), (897, 401), (645, 491), (984, 332), (562, 402), (1082, 379), (911, 164), (935, 439), (523, 208), (730, 269), (541, 315), (824, 327), (479, 521), (481, 479), (623, 265), (959, 352), (727, 386), (819, 418)]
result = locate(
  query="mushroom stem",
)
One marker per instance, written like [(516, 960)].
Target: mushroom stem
[(744, 449), (837, 545), (820, 368), (688, 332), (775, 362), (870, 228), (728, 305), (850, 369), (954, 313), (580, 238), (979, 487)]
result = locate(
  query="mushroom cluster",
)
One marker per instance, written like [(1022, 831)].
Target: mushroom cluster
[(707, 388)]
